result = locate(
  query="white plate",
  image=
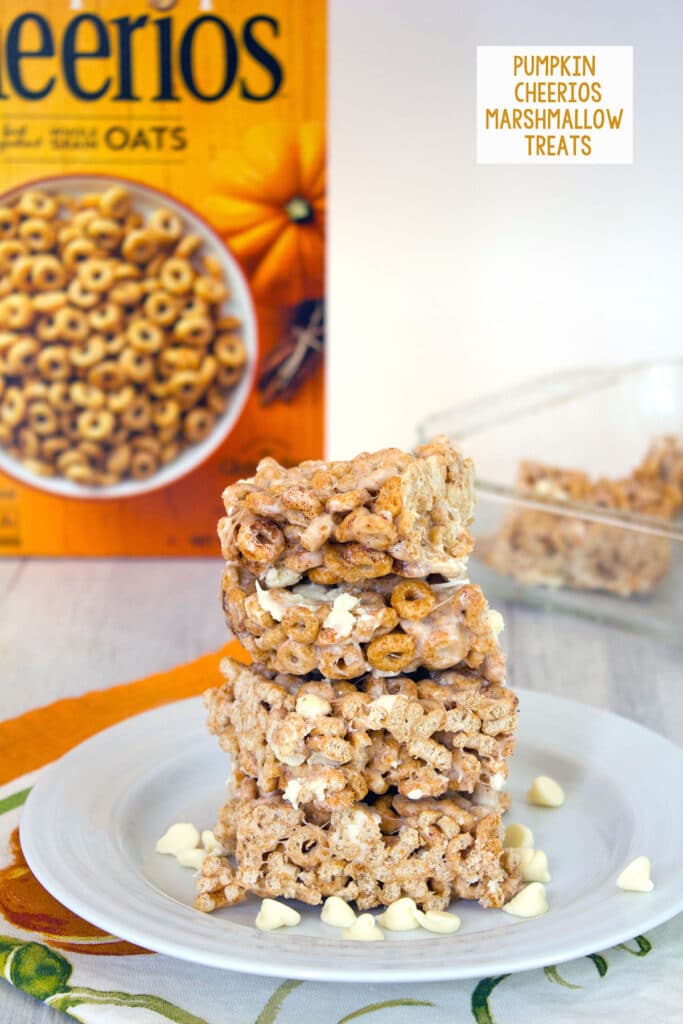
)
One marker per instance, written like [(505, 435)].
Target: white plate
[(90, 825), (147, 199)]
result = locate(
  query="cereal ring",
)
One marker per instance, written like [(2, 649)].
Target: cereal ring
[(71, 457), (21, 273), (353, 562), (392, 652), (39, 467), (53, 363), (95, 275), (77, 251), (95, 424), (230, 351), (79, 295), (72, 324), (389, 498), (295, 658), (169, 452), (86, 396), (88, 354), (38, 234), (216, 401), (198, 424), (106, 376), (161, 308), (137, 415), (114, 342), (106, 317), (21, 357), (413, 599), (59, 397), (228, 376), (82, 218), (193, 330), (165, 413), (35, 389), (42, 418), (301, 624), (46, 328), (121, 400), (105, 233), (51, 447), (147, 443), (49, 302), (136, 365), (33, 203), (210, 290), (143, 465), (345, 663), (261, 541), (173, 359), (194, 306), (13, 407), (212, 266), (208, 371), (367, 528), (92, 450), (228, 323), (115, 202), (145, 336), (68, 424), (28, 443), (185, 387), (80, 473), (307, 846), (127, 272), (10, 251), (118, 460), (165, 225), (176, 276), (16, 312), (139, 246), (9, 219), (47, 274), (188, 246), (127, 294)]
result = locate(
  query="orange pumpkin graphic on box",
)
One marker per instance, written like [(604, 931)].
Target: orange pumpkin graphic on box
[(26, 904), (267, 200)]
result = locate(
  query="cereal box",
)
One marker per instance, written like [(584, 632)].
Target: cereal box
[(162, 224)]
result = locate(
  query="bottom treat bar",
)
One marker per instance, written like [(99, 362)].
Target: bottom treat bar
[(432, 850)]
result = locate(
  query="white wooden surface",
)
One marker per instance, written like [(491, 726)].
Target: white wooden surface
[(71, 626)]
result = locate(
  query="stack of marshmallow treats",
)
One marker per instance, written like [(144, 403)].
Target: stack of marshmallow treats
[(370, 735)]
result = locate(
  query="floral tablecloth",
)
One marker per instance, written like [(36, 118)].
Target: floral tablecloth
[(56, 957)]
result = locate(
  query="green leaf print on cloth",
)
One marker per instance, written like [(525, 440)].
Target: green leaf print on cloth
[(388, 1004), (44, 974)]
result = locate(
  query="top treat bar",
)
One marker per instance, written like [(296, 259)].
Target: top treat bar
[(343, 522)]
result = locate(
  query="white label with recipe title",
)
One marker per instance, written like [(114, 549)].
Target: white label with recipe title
[(554, 104)]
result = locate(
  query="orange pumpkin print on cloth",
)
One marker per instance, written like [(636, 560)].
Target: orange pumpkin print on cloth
[(267, 201), (26, 904)]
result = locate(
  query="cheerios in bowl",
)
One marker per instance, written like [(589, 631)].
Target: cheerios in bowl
[(127, 337)]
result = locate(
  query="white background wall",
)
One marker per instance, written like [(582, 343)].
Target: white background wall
[(449, 280)]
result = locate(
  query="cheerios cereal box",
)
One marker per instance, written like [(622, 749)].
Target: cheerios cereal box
[(162, 229)]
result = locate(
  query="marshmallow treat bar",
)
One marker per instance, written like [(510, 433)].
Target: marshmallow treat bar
[(431, 850), (381, 513), (389, 625), (558, 549), (327, 745)]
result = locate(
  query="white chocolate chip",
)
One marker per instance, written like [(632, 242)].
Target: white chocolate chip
[(495, 622), (281, 576), (532, 864), (340, 618), (309, 705), (529, 902), (415, 794), (399, 916), (545, 792), (191, 858), (211, 844), (274, 915), (497, 781), (517, 835), (181, 836), (337, 912), (438, 921), (292, 792), (364, 929), (636, 876), (385, 701)]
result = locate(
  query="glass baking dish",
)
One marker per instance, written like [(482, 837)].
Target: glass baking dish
[(535, 540)]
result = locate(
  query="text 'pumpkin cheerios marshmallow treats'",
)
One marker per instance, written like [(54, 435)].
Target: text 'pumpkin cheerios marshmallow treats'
[(370, 738), (162, 254)]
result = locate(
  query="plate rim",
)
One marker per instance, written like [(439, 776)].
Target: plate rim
[(307, 968)]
